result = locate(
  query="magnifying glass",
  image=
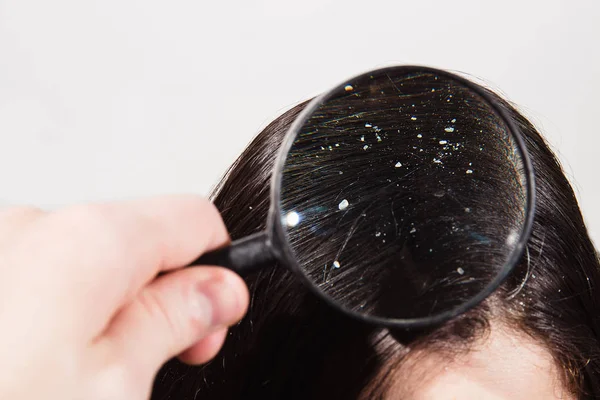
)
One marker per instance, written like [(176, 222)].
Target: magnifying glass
[(417, 165)]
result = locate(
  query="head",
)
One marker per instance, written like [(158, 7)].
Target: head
[(537, 336)]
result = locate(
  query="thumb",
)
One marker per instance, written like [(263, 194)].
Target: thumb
[(175, 312)]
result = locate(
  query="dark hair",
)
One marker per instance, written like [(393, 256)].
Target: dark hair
[(291, 345)]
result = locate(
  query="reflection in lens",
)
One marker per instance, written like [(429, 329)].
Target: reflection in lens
[(417, 171)]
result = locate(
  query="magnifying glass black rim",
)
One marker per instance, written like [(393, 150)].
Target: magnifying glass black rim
[(280, 241)]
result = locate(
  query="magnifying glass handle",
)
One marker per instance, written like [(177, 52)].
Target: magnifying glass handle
[(241, 256)]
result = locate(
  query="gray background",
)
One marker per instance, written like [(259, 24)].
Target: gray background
[(116, 99)]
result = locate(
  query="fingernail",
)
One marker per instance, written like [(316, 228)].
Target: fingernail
[(221, 299)]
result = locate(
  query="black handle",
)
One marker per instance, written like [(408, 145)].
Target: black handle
[(242, 256)]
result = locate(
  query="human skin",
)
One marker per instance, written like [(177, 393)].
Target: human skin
[(82, 312), (83, 315), (504, 364)]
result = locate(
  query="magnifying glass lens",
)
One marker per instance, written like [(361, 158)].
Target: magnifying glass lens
[(404, 196)]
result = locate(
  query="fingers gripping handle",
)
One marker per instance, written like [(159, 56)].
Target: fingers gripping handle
[(242, 256)]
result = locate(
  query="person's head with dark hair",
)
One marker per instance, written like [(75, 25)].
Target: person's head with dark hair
[(537, 336)]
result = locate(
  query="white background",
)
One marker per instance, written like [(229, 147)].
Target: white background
[(112, 99)]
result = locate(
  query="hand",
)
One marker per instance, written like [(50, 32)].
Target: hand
[(82, 315)]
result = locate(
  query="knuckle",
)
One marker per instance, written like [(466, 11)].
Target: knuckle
[(206, 207), (20, 214), (25, 211), (206, 210), (94, 215), (214, 219), (86, 229), (16, 223), (80, 221)]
